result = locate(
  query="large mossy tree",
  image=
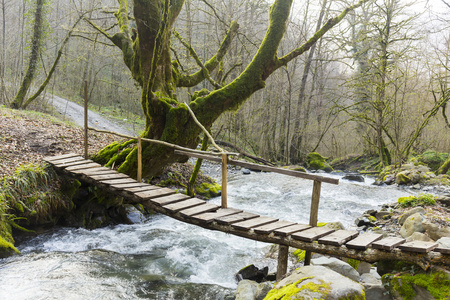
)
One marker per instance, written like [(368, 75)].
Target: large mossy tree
[(146, 52)]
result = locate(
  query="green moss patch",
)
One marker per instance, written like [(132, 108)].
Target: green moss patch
[(420, 200), (436, 283), (318, 162), (290, 291)]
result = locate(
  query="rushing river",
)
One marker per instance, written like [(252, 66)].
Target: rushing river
[(161, 258)]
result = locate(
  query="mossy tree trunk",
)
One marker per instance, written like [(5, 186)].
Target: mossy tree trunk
[(445, 167), (146, 52), (34, 55)]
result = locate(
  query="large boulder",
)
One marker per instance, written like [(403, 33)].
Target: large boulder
[(409, 213), (411, 225), (318, 162), (413, 174), (337, 265), (316, 282)]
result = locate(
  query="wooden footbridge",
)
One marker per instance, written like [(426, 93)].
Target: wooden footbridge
[(368, 247)]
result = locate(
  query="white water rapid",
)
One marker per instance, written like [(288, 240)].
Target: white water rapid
[(161, 258)]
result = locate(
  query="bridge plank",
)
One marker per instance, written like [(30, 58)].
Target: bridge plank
[(146, 195), (171, 198), (363, 241), (122, 186), (255, 222), (418, 246), (338, 238), (94, 171), (84, 166), (222, 212), (285, 231), (73, 163), (109, 176), (57, 157), (176, 207), (68, 160), (266, 229), (227, 220), (442, 250), (207, 207), (141, 188), (312, 234), (117, 181), (388, 243)]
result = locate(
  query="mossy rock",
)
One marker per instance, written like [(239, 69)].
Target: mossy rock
[(208, 190), (318, 162), (402, 179), (408, 285)]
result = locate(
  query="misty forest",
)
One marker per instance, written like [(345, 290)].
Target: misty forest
[(276, 79)]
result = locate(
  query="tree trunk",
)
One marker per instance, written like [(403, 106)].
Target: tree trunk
[(34, 55), (296, 142)]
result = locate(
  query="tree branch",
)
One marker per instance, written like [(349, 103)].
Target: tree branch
[(320, 33), (211, 64), (205, 71)]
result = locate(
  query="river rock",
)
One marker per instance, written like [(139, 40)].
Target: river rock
[(409, 213), (262, 289), (316, 282), (411, 225), (337, 265), (374, 288), (383, 215), (354, 177), (246, 290), (444, 242), (434, 231), (363, 267), (364, 221), (246, 171), (252, 273), (444, 200), (418, 236)]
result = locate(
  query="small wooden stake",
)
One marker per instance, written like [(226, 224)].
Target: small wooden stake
[(224, 180), (283, 253), (85, 120), (139, 160), (313, 213)]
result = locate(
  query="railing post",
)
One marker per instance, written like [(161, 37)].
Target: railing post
[(313, 213), (85, 120), (224, 180), (139, 160)]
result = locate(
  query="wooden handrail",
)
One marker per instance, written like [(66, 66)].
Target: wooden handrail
[(263, 168)]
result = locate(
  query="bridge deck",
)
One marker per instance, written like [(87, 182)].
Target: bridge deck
[(342, 243)]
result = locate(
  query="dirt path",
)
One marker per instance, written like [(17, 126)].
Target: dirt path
[(75, 112)]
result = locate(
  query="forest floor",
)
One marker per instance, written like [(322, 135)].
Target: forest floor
[(28, 136)]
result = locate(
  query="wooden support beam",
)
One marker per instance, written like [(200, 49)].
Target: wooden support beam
[(283, 253), (224, 180), (139, 160), (314, 212), (86, 155)]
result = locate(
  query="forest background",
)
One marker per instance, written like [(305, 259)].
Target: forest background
[(376, 84)]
